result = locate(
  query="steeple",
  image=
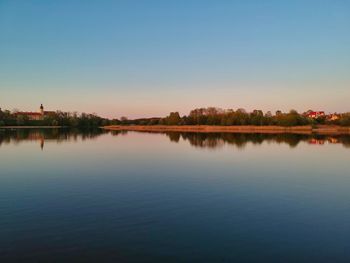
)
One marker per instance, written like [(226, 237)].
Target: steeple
[(42, 109)]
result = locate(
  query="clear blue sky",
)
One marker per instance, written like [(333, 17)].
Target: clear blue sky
[(146, 58)]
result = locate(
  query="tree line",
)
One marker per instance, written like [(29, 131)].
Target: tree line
[(200, 116), (217, 116), (66, 119)]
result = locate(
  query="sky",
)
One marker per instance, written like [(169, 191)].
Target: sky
[(145, 58)]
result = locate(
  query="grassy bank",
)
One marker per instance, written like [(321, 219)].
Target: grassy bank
[(234, 129)]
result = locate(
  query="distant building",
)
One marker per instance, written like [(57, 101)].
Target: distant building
[(315, 114), (40, 115), (333, 117)]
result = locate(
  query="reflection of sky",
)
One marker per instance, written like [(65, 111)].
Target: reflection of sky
[(149, 58), (141, 192)]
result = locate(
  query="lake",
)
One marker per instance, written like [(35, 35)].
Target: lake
[(98, 196)]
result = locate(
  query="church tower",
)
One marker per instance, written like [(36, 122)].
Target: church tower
[(42, 109)]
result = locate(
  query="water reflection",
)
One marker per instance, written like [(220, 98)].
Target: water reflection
[(16, 136), (200, 140), (240, 140), (163, 197)]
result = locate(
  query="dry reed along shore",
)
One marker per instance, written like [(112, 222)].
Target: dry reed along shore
[(322, 129)]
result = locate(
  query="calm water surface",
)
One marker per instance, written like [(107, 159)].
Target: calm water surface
[(70, 196)]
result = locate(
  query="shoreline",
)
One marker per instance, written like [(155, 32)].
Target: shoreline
[(320, 129)]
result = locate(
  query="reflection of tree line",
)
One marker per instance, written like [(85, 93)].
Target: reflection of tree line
[(217, 140), (202, 140), (42, 135), (213, 140)]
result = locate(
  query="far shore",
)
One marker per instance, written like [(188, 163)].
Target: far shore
[(320, 129)]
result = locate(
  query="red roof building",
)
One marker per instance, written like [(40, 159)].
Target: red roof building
[(315, 114), (35, 115)]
